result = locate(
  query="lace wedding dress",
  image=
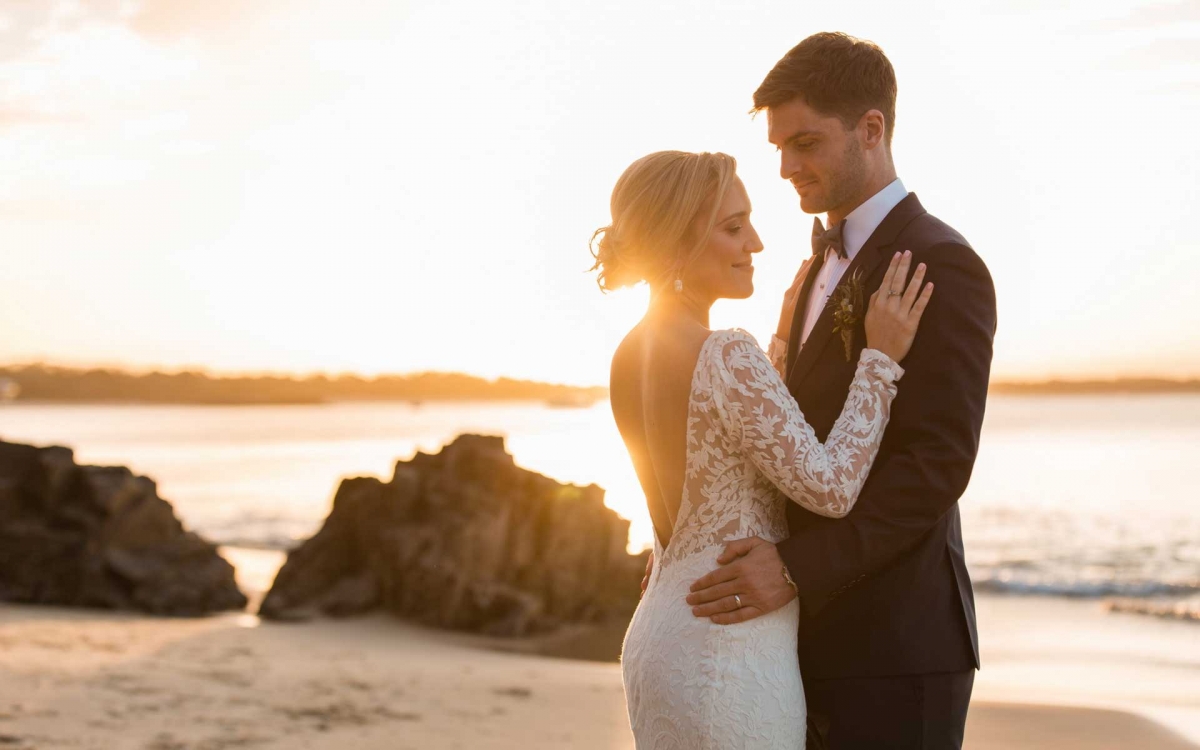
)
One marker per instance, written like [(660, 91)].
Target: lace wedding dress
[(689, 683)]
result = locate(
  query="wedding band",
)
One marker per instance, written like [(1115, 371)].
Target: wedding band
[(893, 294), (738, 599)]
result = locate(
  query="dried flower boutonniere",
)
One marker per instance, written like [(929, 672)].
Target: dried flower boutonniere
[(847, 303)]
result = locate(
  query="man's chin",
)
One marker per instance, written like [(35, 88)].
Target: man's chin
[(812, 205)]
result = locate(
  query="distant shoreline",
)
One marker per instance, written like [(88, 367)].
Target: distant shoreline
[(49, 384), (417, 403), (39, 383), (1118, 387)]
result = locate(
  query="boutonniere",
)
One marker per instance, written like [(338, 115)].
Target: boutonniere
[(848, 310)]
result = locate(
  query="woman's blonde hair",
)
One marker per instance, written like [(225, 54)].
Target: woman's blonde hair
[(654, 206)]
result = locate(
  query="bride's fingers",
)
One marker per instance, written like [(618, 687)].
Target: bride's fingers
[(897, 284), (914, 288), (918, 308), (890, 274)]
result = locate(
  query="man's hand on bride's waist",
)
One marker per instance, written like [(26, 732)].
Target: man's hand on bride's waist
[(749, 583)]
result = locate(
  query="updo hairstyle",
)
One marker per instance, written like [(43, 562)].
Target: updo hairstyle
[(654, 207)]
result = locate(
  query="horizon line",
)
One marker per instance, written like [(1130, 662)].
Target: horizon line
[(215, 374)]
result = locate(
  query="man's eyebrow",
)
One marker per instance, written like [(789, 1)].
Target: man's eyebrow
[(800, 134)]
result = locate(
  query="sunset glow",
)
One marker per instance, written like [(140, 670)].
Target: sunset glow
[(395, 187)]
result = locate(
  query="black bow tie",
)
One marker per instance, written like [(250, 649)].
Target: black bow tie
[(828, 238)]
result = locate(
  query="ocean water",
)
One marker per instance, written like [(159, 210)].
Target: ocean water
[(1073, 496)]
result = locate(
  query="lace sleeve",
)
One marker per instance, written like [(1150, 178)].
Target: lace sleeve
[(761, 416)]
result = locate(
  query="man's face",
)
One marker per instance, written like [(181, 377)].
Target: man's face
[(823, 161)]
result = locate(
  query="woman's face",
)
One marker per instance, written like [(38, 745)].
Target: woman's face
[(724, 269)]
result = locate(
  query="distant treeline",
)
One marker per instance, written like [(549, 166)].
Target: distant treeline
[(1097, 387), (48, 383)]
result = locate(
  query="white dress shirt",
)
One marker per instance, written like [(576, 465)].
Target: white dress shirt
[(861, 223)]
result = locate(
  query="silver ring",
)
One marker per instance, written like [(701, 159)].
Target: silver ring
[(893, 294), (738, 599)]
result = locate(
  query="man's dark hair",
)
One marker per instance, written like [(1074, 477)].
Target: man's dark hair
[(835, 74)]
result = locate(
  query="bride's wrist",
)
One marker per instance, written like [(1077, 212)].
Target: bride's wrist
[(892, 367)]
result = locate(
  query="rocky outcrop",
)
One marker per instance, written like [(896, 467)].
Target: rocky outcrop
[(464, 539), (100, 536)]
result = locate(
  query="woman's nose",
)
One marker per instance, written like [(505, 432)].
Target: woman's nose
[(755, 244)]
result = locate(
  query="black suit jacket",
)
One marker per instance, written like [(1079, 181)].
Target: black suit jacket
[(885, 590)]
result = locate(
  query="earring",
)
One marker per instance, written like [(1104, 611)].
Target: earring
[(678, 285)]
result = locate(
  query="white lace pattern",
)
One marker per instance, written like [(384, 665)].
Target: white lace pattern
[(691, 684)]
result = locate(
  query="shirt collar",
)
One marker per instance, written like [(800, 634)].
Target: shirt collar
[(862, 222)]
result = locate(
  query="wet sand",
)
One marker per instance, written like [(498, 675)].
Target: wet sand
[(85, 679)]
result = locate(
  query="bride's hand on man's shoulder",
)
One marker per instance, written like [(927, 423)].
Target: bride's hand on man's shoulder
[(895, 311)]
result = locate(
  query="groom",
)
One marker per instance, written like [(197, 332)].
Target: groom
[(887, 642)]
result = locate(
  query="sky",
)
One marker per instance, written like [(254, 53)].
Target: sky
[(318, 186)]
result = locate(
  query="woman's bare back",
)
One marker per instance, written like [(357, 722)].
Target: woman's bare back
[(650, 388)]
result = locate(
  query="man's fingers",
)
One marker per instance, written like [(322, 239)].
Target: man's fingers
[(914, 288), (720, 606), (649, 571), (713, 593), (736, 549), (720, 575), (740, 615)]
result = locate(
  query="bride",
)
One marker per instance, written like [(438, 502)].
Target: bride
[(720, 446)]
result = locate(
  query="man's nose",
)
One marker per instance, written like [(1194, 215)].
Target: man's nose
[(786, 167)]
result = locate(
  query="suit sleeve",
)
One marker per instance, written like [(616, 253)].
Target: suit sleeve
[(931, 443)]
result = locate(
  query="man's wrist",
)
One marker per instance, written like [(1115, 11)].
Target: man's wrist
[(787, 577)]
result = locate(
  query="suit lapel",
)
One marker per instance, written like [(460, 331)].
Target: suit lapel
[(866, 262), (814, 269)]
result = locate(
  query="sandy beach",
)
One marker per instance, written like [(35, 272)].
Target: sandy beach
[(86, 679)]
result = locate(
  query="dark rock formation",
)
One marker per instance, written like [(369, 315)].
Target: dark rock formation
[(467, 540), (100, 537)]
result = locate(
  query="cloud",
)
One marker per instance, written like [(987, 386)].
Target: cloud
[(1161, 54), (1169, 13), (1154, 16), (11, 117), (167, 20)]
